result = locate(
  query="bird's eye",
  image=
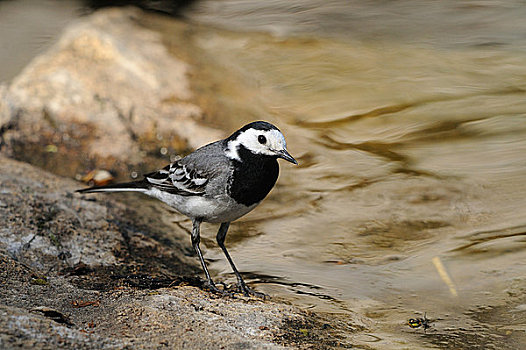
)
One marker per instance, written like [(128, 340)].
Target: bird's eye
[(262, 139)]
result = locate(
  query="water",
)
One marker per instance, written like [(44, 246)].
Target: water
[(409, 123), (28, 28), (449, 23)]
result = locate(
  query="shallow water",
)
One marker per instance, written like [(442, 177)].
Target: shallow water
[(409, 123), (410, 194), (28, 28)]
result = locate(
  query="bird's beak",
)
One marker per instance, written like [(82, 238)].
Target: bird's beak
[(286, 155)]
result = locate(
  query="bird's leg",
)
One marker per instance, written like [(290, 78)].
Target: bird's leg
[(221, 234), (196, 239)]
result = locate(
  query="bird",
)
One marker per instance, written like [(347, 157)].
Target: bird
[(217, 183)]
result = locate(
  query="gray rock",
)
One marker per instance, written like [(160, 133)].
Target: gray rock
[(91, 273)]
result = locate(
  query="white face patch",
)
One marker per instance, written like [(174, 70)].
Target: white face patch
[(250, 139)]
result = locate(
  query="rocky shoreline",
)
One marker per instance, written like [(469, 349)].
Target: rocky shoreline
[(90, 272)]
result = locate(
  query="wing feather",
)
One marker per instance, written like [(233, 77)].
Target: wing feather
[(178, 178)]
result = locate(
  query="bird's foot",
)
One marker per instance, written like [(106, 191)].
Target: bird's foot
[(209, 285), (250, 292)]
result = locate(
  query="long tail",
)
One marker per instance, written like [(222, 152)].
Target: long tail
[(135, 186)]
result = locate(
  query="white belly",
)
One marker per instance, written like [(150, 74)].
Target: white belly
[(214, 210)]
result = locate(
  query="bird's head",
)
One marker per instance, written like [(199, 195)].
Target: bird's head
[(259, 138)]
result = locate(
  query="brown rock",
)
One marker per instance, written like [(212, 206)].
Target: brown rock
[(107, 95)]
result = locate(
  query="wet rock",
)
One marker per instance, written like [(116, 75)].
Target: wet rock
[(49, 228), (107, 95)]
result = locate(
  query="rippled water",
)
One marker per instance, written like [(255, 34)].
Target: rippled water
[(409, 123)]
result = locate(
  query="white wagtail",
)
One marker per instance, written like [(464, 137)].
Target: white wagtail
[(217, 183)]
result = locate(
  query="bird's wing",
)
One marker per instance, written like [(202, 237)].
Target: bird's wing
[(179, 178)]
